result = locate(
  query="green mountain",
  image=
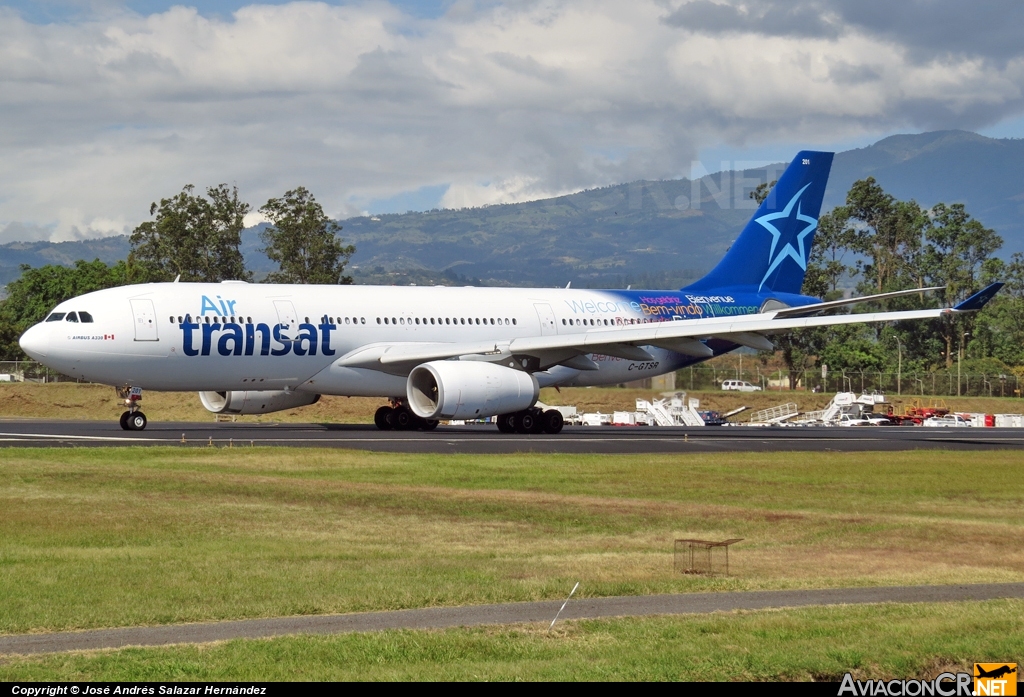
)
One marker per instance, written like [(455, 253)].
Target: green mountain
[(646, 233)]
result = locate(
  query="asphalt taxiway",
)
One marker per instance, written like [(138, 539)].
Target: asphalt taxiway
[(503, 613), (485, 439)]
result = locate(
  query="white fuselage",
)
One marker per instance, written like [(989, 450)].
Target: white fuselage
[(241, 336)]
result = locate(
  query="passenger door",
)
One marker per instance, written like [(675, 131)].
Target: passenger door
[(547, 319), (145, 319)]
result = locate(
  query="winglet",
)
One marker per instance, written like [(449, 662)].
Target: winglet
[(978, 300)]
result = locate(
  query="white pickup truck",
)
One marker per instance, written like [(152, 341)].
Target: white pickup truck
[(947, 421), (740, 386)]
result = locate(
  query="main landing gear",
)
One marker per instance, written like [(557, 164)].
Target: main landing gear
[(133, 419), (398, 418), (532, 420)]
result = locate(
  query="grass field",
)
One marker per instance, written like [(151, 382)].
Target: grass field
[(97, 537), (86, 401), (885, 641), (118, 537)]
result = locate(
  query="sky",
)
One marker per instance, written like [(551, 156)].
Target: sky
[(109, 105)]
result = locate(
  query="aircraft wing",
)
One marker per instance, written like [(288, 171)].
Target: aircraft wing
[(815, 308), (683, 336)]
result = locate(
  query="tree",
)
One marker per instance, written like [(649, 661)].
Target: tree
[(31, 297), (192, 237), (889, 235), (958, 252), (999, 327), (304, 241)]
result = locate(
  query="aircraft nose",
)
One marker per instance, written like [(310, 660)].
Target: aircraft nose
[(35, 342)]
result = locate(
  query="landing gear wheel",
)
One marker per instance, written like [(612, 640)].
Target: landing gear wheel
[(507, 423), (124, 420), (429, 424), (402, 420), (136, 421), (529, 422), (382, 418), (553, 421)]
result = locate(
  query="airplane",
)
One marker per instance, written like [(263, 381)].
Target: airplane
[(440, 353), (994, 673)]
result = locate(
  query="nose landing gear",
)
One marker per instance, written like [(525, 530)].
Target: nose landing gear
[(133, 419)]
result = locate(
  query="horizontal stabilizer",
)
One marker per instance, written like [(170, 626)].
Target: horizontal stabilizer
[(979, 299)]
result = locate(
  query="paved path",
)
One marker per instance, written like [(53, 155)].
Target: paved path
[(487, 440), (506, 613)]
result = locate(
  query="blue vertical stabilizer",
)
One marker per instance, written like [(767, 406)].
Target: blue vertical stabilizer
[(771, 252)]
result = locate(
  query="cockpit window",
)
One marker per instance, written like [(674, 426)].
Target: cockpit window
[(55, 317), (72, 317), (85, 316)]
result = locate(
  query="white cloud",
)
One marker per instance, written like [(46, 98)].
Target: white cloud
[(501, 102)]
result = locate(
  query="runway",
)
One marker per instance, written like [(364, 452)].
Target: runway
[(485, 439), (504, 613)]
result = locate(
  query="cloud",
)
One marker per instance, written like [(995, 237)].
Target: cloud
[(104, 113)]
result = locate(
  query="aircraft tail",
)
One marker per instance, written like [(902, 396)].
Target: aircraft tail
[(771, 253)]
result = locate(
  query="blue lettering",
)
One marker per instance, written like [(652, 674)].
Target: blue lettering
[(231, 307), (233, 333), (223, 307), (283, 340), (209, 306), (186, 340), (208, 330), (325, 337), (307, 332)]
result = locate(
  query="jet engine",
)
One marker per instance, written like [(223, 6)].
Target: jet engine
[(468, 390), (255, 402)]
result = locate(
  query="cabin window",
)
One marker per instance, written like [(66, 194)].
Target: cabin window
[(513, 320), (171, 319), (361, 321)]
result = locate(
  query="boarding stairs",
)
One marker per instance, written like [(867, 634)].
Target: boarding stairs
[(843, 403), (775, 415), (672, 412)]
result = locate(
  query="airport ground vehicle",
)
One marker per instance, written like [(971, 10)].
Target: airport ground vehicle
[(740, 386), (947, 421)]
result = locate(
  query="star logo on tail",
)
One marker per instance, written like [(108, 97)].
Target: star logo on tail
[(792, 232)]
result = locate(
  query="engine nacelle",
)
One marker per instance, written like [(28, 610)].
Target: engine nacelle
[(255, 402), (468, 390)]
